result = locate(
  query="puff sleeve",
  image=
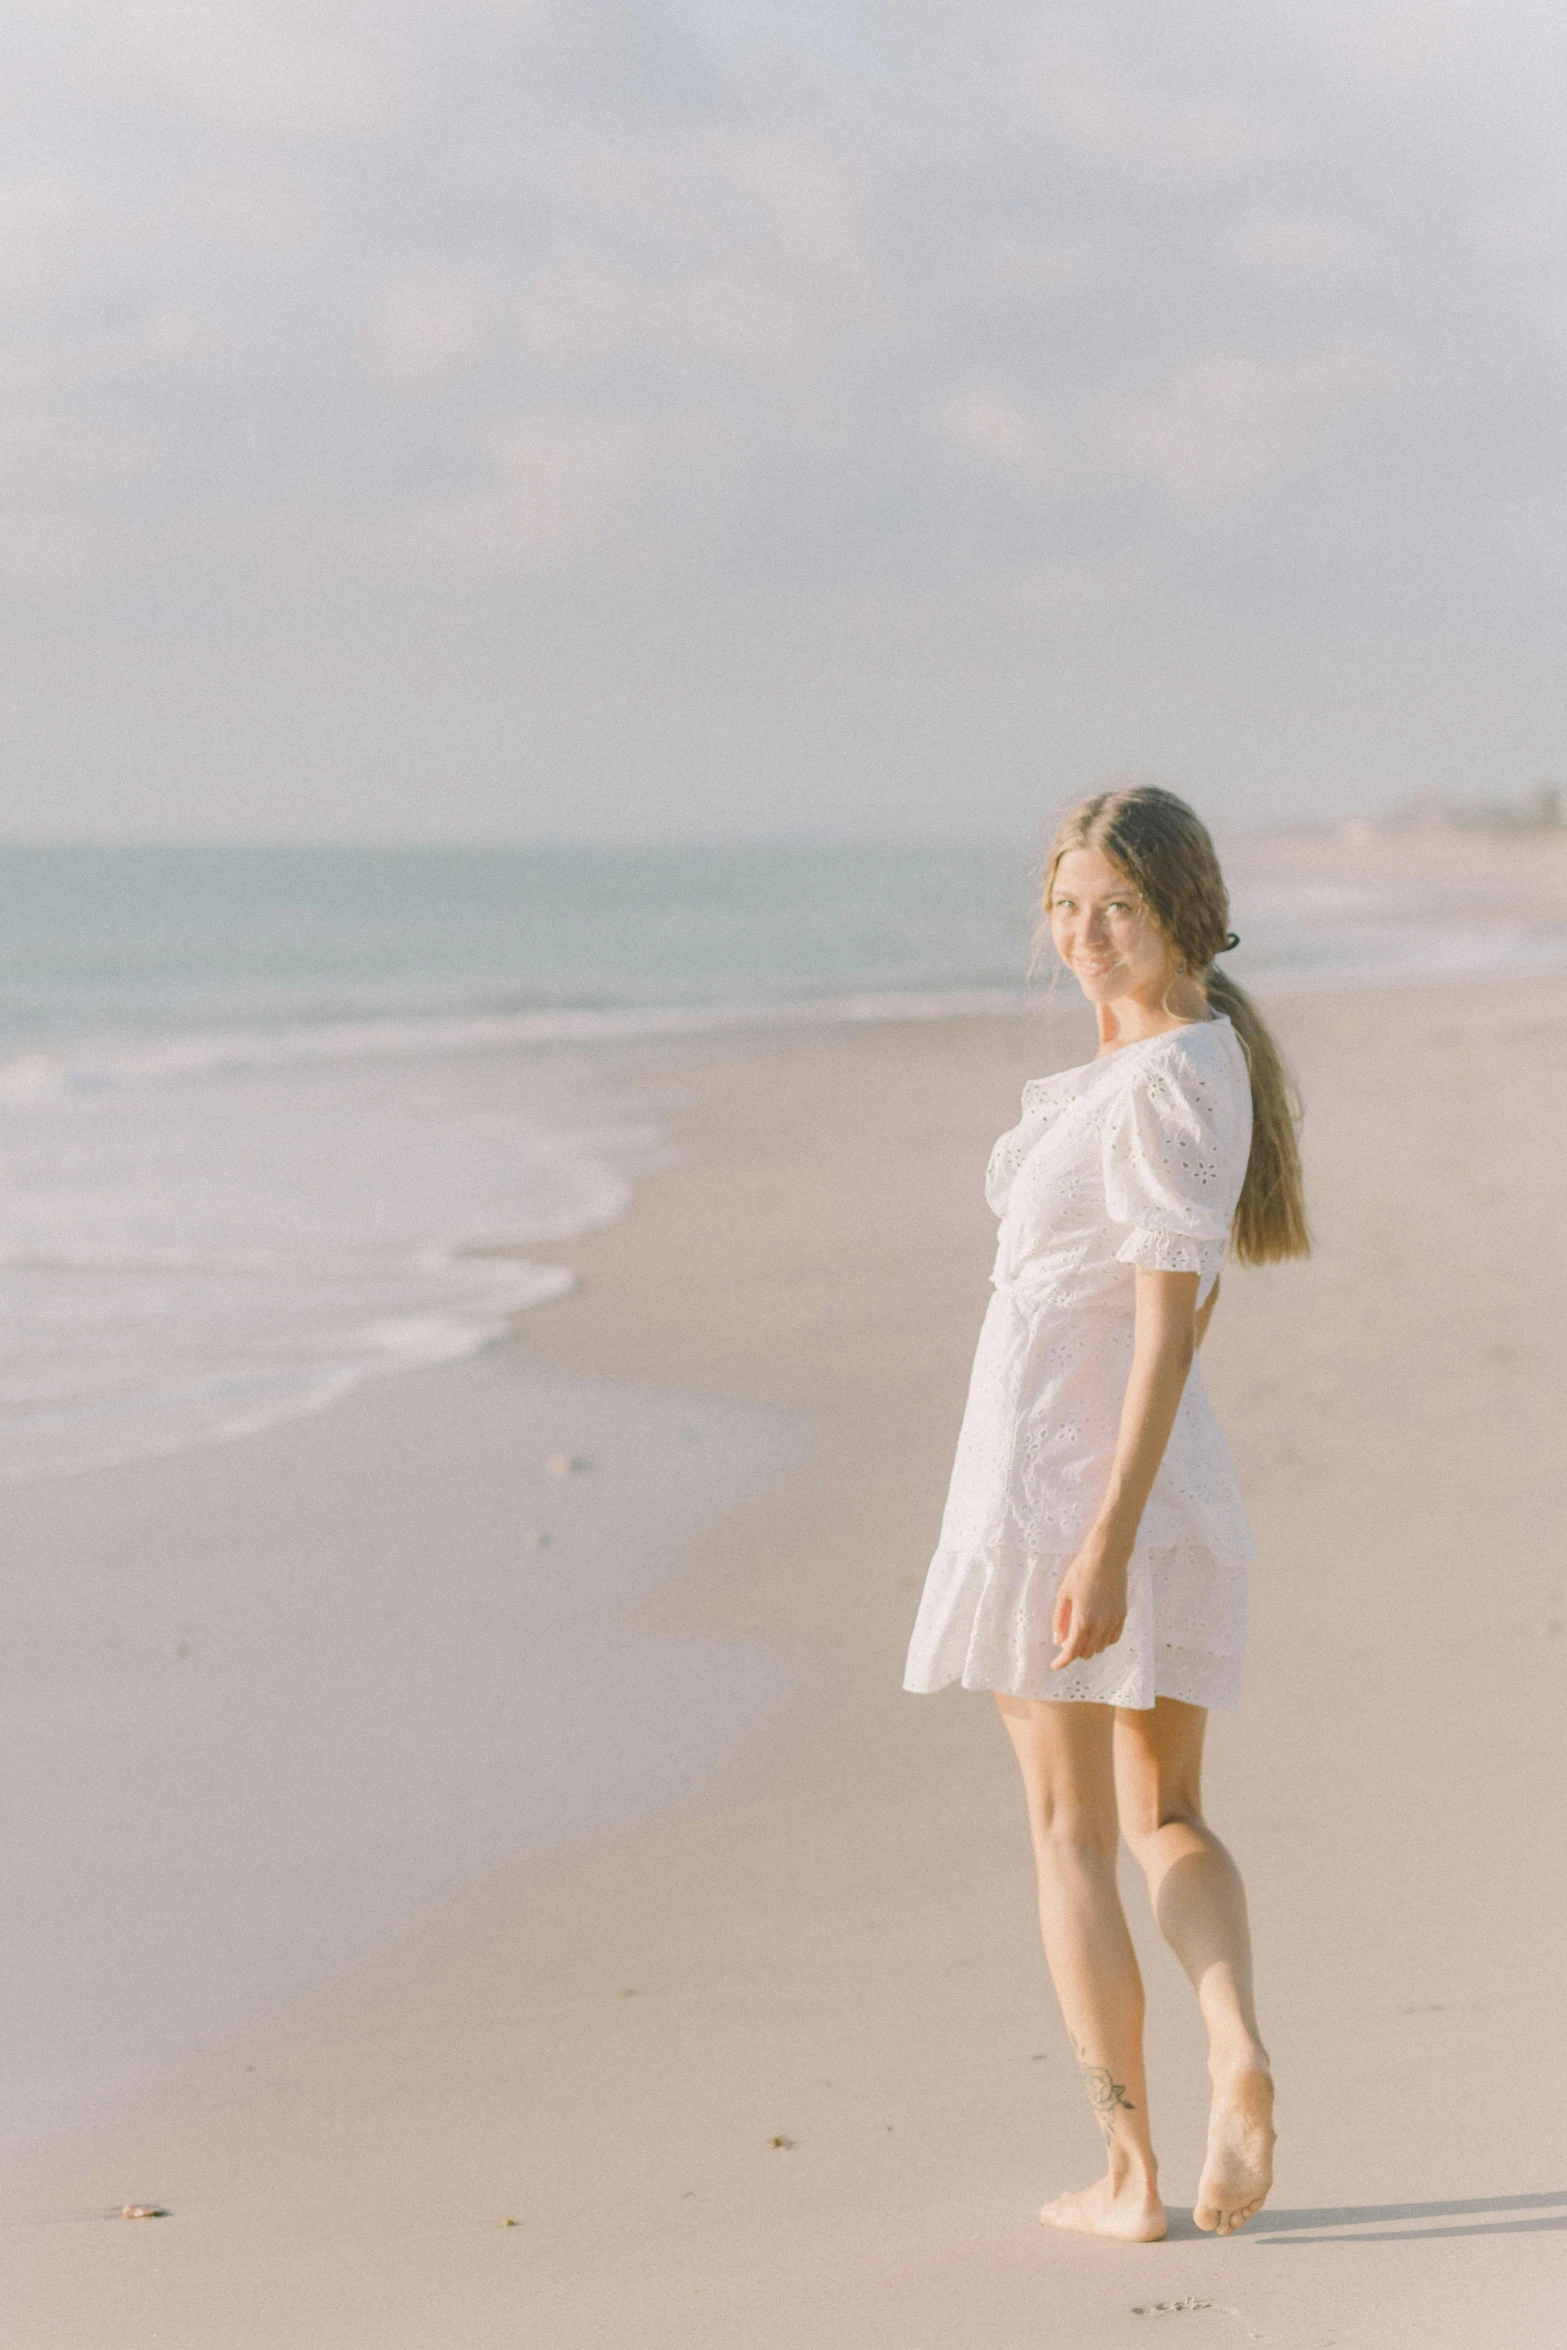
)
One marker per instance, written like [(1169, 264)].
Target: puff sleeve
[(1175, 1158)]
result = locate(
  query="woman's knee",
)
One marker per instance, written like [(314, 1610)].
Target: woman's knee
[(1070, 1837)]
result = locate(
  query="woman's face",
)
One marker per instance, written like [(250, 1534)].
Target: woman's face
[(1101, 932)]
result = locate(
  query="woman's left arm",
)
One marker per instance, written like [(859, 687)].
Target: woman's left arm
[(1090, 1609)]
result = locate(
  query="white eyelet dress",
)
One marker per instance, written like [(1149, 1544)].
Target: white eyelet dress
[(1136, 1159)]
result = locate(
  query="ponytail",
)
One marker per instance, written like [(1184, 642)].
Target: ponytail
[(1270, 1215)]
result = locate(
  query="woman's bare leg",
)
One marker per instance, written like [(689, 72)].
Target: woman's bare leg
[(1200, 1904), (1065, 1753)]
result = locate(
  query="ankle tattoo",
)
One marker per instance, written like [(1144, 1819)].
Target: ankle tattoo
[(1107, 2096)]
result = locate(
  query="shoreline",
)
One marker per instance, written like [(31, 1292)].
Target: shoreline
[(834, 1946)]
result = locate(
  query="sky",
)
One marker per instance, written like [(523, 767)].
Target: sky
[(612, 418)]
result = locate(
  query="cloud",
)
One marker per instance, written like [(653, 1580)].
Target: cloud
[(1267, 243), (429, 324), (986, 419), (257, 68), (806, 194), (555, 483), (580, 306), (1217, 430), (1058, 591), (758, 325), (1163, 135), (50, 550), (33, 212), (1400, 40), (1018, 268), (1213, 431)]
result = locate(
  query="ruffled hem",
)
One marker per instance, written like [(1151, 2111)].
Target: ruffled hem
[(1172, 1252), (984, 1622)]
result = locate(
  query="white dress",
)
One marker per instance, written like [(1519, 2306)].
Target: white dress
[(1136, 1159)]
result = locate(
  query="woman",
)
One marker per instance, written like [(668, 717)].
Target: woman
[(1093, 1510)]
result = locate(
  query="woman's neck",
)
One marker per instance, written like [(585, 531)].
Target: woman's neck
[(1151, 1010)]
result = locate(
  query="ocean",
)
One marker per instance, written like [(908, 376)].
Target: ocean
[(277, 1121)]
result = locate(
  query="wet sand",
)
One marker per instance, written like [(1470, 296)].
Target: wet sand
[(260, 1702), (781, 2065)]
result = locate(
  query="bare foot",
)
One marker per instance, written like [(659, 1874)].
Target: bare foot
[(1128, 2208), (1239, 2169)]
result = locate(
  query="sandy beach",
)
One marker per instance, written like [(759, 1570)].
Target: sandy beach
[(779, 2064)]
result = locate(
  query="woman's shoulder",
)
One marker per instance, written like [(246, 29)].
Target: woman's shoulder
[(1216, 1035), (1198, 1069), (1202, 1046)]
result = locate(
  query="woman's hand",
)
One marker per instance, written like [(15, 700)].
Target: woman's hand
[(1090, 1609)]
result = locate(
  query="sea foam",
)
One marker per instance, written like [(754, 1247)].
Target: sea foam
[(189, 1260)]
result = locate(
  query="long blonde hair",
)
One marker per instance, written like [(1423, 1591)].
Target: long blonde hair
[(1165, 852)]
